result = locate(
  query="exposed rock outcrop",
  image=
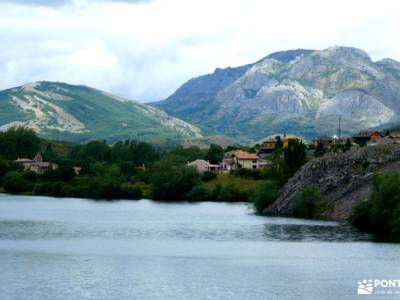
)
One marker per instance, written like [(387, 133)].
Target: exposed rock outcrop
[(296, 91), (344, 179)]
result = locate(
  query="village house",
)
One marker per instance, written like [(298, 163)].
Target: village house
[(36, 164), (268, 146), (391, 138), (246, 160), (233, 160), (395, 137), (230, 154), (238, 159), (228, 164), (77, 170), (325, 141), (202, 165), (365, 137)]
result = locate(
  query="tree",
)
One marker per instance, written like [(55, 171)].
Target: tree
[(172, 182), (319, 150), (143, 153), (230, 148), (265, 195), (381, 212), (295, 155), (94, 151), (278, 171), (19, 142), (279, 144), (180, 155), (49, 154), (14, 182), (63, 173), (4, 167), (307, 202), (347, 145), (215, 154)]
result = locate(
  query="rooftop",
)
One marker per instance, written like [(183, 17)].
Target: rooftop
[(246, 155), (366, 133)]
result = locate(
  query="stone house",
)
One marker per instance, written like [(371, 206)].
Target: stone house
[(36, 164), (202, 165)]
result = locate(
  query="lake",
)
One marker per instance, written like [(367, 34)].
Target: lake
[(80, 249)]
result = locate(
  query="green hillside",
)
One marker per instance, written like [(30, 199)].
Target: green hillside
[(79, 113)]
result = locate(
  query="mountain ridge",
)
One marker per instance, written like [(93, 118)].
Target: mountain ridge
[(297, 91), (81, 113)]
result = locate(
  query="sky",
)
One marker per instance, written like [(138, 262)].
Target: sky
[(145, 49)]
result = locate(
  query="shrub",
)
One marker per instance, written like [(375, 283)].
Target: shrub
[(171, 182), (4, 167), (380, 213), (229, 193), (198, 193), (53, 188), (319, 150), (247, 173), (208, 176), (265, 195), (131, 191), (63, 173), (14, 182), (29, 175), (360, 217), (307, 201)]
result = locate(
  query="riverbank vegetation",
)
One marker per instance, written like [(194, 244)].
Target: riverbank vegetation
[(380, 213), (134, 170)]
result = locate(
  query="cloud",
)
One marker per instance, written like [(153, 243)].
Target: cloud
[(38, 2), (144, 50), (52, 3)]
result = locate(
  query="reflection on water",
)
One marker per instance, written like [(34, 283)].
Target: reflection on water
[(301, 232), (39, 230), (78, 249)]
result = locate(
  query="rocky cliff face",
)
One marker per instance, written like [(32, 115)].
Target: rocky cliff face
[(299, 91), (343, 179)]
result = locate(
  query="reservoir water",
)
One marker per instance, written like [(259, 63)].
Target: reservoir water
[(80, 249)]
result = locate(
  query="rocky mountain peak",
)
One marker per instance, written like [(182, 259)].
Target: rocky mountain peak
[(341, 52), (288, 55), (297, 91)]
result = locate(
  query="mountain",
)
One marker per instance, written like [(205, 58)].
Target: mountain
[(300, 91), (79, 113)]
